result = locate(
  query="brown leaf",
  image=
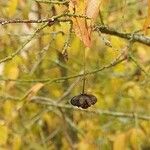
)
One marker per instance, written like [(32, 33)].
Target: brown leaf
[(92, 8), (81, 26), (147, 21), (82, 30)]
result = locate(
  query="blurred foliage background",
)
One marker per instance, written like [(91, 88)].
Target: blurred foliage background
[(37, 83)]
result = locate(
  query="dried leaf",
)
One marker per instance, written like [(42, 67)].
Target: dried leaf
[(81, 26), (92, 8), (147, 21), (82, 30), (33, 91)]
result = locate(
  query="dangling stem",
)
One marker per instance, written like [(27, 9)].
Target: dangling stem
[(83, 88), (84, 77)]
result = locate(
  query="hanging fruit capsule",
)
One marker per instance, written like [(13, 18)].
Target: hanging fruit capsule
[(83, 100)]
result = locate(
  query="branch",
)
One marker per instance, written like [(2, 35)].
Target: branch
[(4, 22), (138, 65), (115, 62), (103, 29), (135, 37), (49, 20), (53, 2), (11, 56), (67, 42), (68, 91), (50, 102), (95, 111)]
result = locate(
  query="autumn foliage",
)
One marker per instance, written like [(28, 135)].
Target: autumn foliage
[(74, 74)]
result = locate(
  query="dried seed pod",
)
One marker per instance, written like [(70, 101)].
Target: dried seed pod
[(83, 100)]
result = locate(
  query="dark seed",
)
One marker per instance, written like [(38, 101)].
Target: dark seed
[(75, 101), (83, 100)]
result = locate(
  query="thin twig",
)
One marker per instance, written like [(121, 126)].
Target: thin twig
[(84, 71), (95, 111), (4, 22), (48, 20), (68, 90), (67, 42), (50, 102), (11, 56), (115, 62), (53, 2), (138, 64)]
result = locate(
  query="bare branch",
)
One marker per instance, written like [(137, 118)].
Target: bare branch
[(95, 111), (115, 62), (135, 37), (50, 102), (11, 56), (138, 64), (53, 2), (4, 22), (49, 20), (68, 90)]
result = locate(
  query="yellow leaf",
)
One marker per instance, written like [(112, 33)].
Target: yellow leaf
[(120, 142), (16, 143), (48, 120), (145, 128), (11, 71), (133, 90), (12, 6), (61, 37), (3, 134), (8, 108), (116, 42), (136, 136), (25, 6)]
